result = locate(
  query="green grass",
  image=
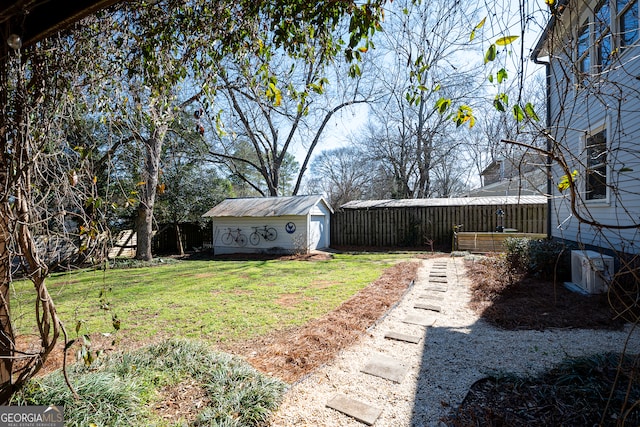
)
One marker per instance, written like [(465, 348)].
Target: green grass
[(205, 300), (211, 300)]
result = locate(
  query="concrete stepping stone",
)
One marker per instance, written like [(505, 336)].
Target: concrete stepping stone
[(429, 307), (432, 297), (361, 411), (437, 274), (385, 367), (421, 320), (437, 287), (438, 280), (397, 336), (441, 265)]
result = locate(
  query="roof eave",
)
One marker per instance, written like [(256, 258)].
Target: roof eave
[(536, 53)]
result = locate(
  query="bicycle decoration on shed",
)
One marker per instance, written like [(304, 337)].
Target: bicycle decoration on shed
[(267, 233), (234, 235)]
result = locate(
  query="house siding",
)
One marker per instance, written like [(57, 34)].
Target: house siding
[(613, 102)]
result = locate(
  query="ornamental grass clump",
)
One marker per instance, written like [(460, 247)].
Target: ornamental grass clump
[(123, 389)]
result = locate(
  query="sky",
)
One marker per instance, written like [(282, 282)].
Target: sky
[(351, 121)]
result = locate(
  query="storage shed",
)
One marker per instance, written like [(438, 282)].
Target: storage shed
[(296, 224)]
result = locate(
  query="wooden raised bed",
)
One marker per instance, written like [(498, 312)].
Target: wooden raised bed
[(489, 242)]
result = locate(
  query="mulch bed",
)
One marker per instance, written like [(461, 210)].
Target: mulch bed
[(596, 390), (530, 303)]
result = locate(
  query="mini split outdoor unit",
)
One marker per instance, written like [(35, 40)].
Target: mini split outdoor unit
[(591, 271)]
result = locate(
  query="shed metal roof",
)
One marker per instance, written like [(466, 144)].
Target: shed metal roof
[(459, 201), (266, 206)]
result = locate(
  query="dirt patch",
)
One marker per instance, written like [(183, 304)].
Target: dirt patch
[(321, 284), (293, 353), (289, 300), (181, 402)]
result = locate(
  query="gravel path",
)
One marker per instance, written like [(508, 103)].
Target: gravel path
[(457, 350)]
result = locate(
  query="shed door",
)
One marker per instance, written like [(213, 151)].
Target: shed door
[(317, 232)]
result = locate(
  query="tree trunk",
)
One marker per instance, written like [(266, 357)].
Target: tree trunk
[(6, 330), (179, 245), (144, 217), (144, 232)]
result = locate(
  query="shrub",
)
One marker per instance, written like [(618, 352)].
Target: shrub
[(541, 258), (517, 254)]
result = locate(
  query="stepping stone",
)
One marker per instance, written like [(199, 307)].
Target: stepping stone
[(402, 337), (437, 279), (436, 274), (432, 297), (437, 288), (440, 265), (429, 307), (422, 320), (385, 367), (362, 412)]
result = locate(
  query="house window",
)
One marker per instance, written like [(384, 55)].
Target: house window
[(584, 53), (596, 166), (604, 33), (628, 22)]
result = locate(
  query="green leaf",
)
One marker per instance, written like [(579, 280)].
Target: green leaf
[(529, 110), (490, 55), (464, 115), (501, 101), (626, 170), (518, 114), (565, 181), (442, 105), (490, 78), (503, 41), (502, 75), (477, 27), (354, 70)]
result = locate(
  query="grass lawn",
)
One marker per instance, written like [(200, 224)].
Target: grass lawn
[(213, 300), (185, 382)]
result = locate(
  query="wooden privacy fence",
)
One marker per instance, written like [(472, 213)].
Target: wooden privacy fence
[(194, 236), (417, 223)]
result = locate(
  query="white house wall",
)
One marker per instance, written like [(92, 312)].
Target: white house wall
[(574, 113), (287, 241)]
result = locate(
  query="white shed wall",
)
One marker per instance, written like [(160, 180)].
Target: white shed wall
[(286, 242)]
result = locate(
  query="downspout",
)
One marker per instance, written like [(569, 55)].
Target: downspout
[(547, 70), (548, 32)]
